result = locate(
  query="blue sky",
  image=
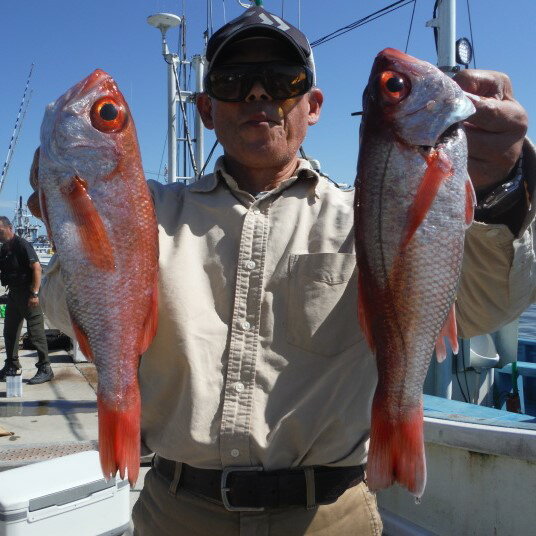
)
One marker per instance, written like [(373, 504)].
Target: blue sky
[(69, 39)]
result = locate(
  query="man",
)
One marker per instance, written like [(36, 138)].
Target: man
[(256, 391), (20, 271)]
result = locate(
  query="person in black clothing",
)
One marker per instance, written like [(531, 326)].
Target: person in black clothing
[(20, 271)]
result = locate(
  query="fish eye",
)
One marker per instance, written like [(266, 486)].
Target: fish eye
[(394, 86), (108, 115), (108, 112)]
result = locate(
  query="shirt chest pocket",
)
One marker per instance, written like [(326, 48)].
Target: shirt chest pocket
[(322, 303)]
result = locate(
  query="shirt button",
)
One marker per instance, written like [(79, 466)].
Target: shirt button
[(256, 211), (239, 387), (250, 265), (235, 453), (246, 325)]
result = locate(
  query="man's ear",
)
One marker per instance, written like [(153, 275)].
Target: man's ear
[(204, 107), (316, 98)]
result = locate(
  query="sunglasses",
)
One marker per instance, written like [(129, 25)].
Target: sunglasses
[(232, 83)]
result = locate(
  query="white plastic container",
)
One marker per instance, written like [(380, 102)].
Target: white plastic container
[(63, 496), (14, 386)]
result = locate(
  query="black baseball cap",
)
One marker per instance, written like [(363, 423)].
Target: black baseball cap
[(257, 22)]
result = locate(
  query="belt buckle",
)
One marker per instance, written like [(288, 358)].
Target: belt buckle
[(225, 489)]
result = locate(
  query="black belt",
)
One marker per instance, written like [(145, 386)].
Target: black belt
[(252, 488)]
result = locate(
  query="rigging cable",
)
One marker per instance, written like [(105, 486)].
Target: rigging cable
[(16, 130), (224, 14), (410, 26), (471, 32), (369, 18)]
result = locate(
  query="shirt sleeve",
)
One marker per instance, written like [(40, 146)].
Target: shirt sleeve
[(498, 279), (28, 251)]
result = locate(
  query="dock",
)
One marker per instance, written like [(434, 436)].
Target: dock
[(52, 419)]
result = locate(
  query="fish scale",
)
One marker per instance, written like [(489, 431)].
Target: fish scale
[(414, 201)]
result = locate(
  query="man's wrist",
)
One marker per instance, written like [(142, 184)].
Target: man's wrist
[(505, 203)]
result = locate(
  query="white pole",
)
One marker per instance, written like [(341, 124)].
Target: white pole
[(445, 22), (199, 67), (172, 115)]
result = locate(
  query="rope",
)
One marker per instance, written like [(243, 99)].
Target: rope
[(369, 18), (410, 25), (471, 32)]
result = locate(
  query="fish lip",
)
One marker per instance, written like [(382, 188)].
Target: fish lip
[(450, 132)]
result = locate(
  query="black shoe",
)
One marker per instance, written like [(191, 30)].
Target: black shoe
[(44, 374), (9, 370)]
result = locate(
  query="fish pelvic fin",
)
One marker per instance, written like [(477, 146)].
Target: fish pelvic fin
[(438, 170), (449, 331), (396, 451), (151, 322), (83, 341), (95, 241), (119, 438)]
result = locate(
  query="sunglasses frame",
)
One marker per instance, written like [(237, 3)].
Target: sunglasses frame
[(256, 72)]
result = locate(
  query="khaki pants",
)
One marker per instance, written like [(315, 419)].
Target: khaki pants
[(159, 512)]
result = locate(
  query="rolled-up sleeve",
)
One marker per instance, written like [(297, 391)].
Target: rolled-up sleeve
[(498, 279), (52, 298)]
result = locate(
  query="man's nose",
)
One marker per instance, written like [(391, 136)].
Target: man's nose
[(257, 92)]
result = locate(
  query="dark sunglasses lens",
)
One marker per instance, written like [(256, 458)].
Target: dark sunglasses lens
[(225, 84), (232, 83), (287, 81)]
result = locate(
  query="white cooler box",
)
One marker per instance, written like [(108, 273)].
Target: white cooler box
[(63, 496)]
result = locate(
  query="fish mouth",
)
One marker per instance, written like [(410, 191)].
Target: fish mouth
[(448, 135)]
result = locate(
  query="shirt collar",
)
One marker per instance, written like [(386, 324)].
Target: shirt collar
[(208, 183)]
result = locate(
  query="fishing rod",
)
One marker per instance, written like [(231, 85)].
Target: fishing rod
[(16, 130)]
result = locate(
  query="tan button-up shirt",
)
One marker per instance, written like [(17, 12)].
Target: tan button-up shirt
[(259, 358)]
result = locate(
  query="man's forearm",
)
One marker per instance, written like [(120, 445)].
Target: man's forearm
[(36, 277)]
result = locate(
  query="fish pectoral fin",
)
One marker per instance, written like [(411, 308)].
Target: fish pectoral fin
[(151, 322), (83, 342), (470, 202), (438, 170), (450, 332), (93, 236)]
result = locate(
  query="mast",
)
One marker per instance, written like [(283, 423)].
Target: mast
[(444, 24)]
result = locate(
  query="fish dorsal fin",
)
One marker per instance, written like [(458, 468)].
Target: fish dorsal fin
[(438, 170), (93, 236)]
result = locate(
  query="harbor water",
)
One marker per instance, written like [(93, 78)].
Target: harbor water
[(527, 324)]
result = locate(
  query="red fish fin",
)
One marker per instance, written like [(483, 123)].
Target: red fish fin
[(91, 229), (81, 337), (439, 168), (470, 202), (33, 205), (151, 322), (363, 312), (119, 438), (396, 451)]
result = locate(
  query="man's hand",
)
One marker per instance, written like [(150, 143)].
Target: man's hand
[(495, 133), (33, 301)]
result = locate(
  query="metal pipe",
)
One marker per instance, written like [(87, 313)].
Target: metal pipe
[(199, 67), (445, 22), (172, 117)]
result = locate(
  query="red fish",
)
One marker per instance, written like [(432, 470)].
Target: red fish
[(414, 201), (98, 210)]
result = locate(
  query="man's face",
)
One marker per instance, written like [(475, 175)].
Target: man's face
[(6, 233), (260, 132)]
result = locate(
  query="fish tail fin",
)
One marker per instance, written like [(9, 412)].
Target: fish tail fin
[(119, 439), (396, 451)]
